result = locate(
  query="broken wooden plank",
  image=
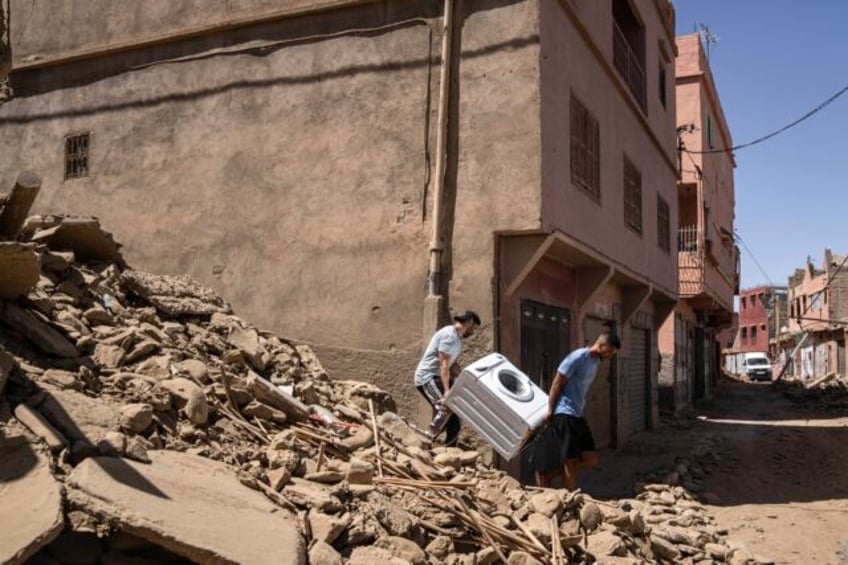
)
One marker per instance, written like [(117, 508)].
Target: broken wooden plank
[(271, 395), (17, 206)]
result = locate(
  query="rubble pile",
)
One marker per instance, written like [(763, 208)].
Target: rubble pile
[(144, 398), (829, 392)]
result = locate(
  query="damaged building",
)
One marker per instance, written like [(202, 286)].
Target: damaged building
[(707, 253), (348, 172), (143, 422), (811, 343)]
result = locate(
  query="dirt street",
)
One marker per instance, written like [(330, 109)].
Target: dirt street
[(779, 483)]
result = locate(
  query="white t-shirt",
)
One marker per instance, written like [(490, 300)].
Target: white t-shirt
[(446, 341)]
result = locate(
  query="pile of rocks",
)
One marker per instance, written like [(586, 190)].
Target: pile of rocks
[(829, 392), (117, 377)]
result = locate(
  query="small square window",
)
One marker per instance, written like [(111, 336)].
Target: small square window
[(76, 155)]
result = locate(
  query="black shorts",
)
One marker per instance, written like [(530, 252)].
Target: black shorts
[(566, 437)]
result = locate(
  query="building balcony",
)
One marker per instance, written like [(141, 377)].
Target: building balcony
[(690, 261), (627, 63), (700, 277)]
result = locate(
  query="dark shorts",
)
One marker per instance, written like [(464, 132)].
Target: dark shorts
[(566, 437)]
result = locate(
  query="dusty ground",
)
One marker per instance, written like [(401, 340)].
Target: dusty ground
[(781, 482)]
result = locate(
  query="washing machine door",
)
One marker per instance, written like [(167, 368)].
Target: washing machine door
[(514, 385)]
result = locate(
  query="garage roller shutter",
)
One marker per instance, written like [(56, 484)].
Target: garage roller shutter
[(638, 382)]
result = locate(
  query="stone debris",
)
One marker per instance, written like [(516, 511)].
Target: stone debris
[(17, 204), (829, 392), (30, 500), (161, 410), (19, 269), (188, 505)]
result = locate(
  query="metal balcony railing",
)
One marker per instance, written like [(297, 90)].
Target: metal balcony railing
[(625, 60), (687, 239)]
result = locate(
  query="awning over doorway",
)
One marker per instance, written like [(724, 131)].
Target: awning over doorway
[(593, 270)]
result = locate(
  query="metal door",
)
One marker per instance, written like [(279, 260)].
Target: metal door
[(638, 382), (545, 340), (600, 400)]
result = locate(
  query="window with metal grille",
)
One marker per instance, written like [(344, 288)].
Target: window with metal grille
[(632, 196), (662, 85), (585, 149), (76, 155), (663, 225)]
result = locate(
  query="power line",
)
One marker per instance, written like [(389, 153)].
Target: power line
[(781, 130), (757, 263)]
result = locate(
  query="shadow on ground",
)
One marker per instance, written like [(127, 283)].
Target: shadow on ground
[(776, 451)]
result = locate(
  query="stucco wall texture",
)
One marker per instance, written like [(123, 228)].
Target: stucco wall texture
[(567, 207), (293, 179)]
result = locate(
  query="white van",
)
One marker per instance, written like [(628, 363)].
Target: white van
[(757, 366)]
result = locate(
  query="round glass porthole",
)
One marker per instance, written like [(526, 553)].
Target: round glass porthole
[(515, 386)]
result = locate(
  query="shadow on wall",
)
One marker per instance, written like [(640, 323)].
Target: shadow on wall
[(265, 39)]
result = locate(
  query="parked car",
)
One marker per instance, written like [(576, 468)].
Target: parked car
[(757, 367)]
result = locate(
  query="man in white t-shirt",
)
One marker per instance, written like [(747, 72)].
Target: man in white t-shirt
[(435, 372)]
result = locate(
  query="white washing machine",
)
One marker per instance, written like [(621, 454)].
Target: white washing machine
[(499, 402)]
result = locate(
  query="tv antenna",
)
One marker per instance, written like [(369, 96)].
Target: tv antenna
[(707, 37)]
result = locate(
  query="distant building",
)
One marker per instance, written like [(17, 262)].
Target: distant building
[(707, 255), (762, 310), (818, 311)]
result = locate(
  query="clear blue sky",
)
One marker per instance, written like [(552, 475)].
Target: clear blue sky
[(774, 61)]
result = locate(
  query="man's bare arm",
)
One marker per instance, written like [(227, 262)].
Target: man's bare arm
[(444, 370), (556, 388)]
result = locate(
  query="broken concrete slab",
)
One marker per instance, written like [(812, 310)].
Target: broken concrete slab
[(84, 237), (174, 296), (14, 211), (30, 501), (189, 505), (39, 333), (78, 417), (19, 269)]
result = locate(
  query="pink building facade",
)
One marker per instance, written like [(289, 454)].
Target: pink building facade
[(812, 342), (707, 256)]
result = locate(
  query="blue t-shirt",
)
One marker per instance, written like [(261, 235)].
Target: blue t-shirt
[(579, 368)]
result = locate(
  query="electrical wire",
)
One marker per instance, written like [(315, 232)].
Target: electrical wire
[(809, 114), (738, 238)]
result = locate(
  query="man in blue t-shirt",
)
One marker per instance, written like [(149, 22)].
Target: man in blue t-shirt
[(575, 446)]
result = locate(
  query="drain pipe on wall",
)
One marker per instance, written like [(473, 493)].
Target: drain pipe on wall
[(436, 244), (434, 303)]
